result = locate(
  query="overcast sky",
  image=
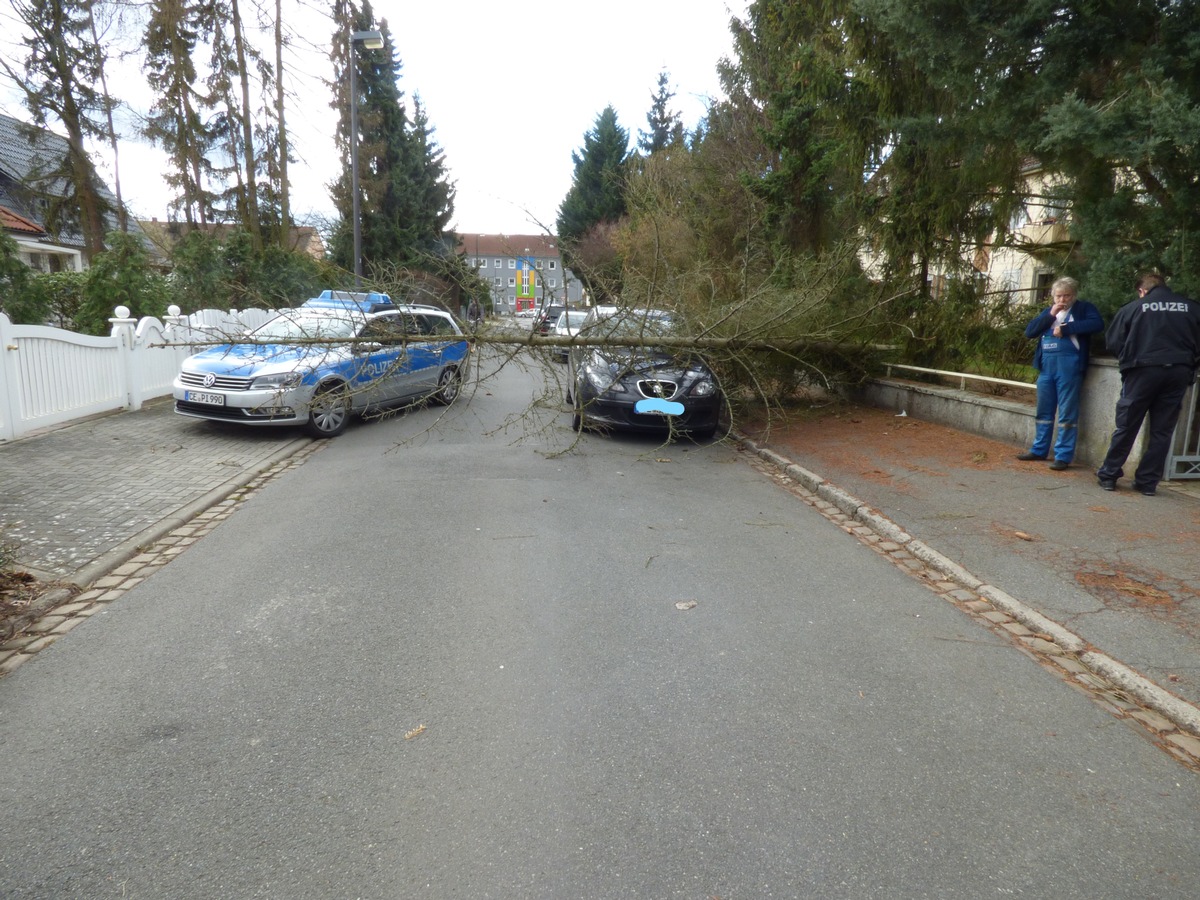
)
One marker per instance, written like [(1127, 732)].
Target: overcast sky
[(510, 90)]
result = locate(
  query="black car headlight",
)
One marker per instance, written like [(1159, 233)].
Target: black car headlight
[(601, 378), (705, 385)]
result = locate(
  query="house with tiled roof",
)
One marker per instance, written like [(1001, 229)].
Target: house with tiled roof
[(524, 270), (27, 155)]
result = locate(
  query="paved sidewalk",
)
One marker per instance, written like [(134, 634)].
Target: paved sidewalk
[(81, 498)]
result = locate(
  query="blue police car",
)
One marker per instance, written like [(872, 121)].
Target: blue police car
[(336, 355)]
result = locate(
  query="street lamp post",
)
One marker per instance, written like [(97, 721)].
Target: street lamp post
[(371, 40)]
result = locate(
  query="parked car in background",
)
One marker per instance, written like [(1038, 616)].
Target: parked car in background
[(643, 387), (567, 326), (547, 316), (338, 354)]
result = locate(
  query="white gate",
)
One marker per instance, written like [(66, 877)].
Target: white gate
[(50, 375)]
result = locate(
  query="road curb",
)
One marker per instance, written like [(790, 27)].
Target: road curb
[(1182, 714)]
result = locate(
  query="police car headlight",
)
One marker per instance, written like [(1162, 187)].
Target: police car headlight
[(274, 382)]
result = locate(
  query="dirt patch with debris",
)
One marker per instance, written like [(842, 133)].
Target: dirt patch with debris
[(1154, 592), (20, 593), (862, 438)]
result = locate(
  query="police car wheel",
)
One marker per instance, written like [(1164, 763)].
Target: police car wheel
[(329, 412), (449, 386)]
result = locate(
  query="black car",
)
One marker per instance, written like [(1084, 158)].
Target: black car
[(547, 317), (641, 388)]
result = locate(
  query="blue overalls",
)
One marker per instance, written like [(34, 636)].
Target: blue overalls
[(1058, 390)]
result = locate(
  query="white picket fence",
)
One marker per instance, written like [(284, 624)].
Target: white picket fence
[(49, 376)]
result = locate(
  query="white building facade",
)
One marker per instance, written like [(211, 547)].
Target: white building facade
[(525, 271)]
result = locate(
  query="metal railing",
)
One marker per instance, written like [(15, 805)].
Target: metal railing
[(962, 377)]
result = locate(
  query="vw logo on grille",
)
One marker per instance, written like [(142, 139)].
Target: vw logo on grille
[(210, 379)]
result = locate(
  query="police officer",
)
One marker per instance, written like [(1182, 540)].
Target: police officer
[(1156, 339)]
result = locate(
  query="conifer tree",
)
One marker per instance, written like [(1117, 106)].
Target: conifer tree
[(433, 191), (666, 125), (406, 200), (1104, 96), (385, 159), (594, 204), (175, 121), (62, 68)]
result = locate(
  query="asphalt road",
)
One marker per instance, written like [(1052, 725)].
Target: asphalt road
[(446, 658)]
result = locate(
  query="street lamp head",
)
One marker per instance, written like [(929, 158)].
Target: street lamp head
[(371, 40)]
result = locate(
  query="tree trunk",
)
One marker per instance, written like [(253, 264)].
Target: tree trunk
[(253, 220), (285, 214), (122, 215)]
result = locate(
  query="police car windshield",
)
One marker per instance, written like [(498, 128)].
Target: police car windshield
[(307, 325)]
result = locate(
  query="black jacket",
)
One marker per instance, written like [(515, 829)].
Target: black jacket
[(1159, 329)]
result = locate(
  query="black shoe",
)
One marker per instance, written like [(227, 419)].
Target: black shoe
[(1147, 490), (1059, 464), (1107, 483), (1027, 457)]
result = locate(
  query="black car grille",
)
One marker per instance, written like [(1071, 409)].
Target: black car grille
[(222, 382), (657, 388)]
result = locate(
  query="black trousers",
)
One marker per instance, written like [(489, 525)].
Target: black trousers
[(1157, 392)]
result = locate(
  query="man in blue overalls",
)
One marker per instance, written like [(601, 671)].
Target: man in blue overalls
[(1063, 333)]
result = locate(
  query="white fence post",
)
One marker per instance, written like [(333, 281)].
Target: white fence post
[(177, 332), (122, 331), (9, 388)]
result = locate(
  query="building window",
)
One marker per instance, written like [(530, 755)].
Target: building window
[(553, 282), (512, 263), (496, 263), (497, 281), (483, 263), (539, 263), (1054, 211), (512, 299), (1044, 282), (553, 265), (512, 282)]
